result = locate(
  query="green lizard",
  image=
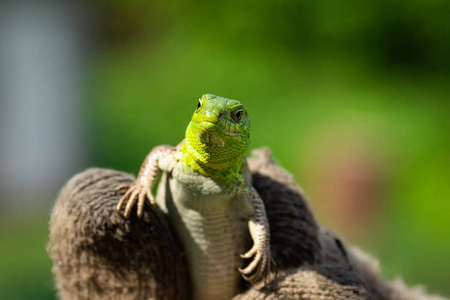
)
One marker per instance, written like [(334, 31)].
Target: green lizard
[(207, 194)]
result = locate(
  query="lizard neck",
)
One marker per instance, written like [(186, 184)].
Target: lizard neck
[(224, 171)]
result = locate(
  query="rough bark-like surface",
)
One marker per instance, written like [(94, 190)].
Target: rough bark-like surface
[(293, 229), (97, 254), (322, 282)]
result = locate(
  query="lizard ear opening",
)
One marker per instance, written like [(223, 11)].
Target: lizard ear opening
[(237, 116)]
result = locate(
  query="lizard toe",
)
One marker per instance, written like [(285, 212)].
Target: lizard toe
[(150, 197), (252, 266), (140, 204), (122, 187), (131, 201), (123, 198), (250, 252)]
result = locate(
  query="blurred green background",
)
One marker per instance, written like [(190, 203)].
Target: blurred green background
[(352, 98)]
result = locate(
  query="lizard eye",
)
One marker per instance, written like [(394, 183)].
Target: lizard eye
[(199, 105), (238, 115)]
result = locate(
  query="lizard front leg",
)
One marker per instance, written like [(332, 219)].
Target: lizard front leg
[(161, 158), (258, 224)]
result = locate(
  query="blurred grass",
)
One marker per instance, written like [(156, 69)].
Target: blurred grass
[(25, 268)]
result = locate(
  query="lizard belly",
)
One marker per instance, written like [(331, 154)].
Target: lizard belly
[(212, 230)]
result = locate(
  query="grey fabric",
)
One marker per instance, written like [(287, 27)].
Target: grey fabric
[(97, 254)]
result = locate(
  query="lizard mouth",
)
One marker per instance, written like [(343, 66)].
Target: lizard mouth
[(212, 133), (214, 127)]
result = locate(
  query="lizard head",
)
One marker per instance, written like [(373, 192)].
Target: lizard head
[(219, 132)]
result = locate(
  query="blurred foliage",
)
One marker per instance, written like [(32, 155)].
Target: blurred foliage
[(378, 70), (25, 267)]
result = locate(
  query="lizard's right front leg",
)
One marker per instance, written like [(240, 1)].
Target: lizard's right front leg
[(161, 158)]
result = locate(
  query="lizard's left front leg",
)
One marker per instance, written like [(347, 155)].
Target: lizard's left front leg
[(258, 225), (161, 158)]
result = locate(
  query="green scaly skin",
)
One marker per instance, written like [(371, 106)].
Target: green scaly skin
[(207, 194)]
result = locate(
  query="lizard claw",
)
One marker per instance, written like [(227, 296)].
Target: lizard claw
[(250, 252), (135, 193), (122, 187), (259, 267)]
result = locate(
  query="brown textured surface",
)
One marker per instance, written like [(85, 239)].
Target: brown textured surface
[(293, 229), (322, 282), (97, 254)]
